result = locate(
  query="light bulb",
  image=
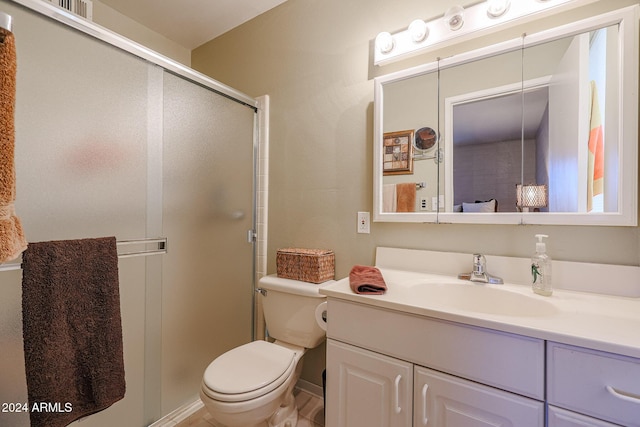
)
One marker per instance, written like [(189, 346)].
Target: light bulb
[(384, 42), (496, 8), (418, 30), (454, 17)]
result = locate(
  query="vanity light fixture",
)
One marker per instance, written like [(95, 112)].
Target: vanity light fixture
[(418, 30), (496, 8), (459, 24), (454, 17), (384, 42)]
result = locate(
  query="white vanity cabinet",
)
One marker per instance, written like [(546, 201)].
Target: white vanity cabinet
[(442, 400), (367, 389), (602, 385), (462, 375)]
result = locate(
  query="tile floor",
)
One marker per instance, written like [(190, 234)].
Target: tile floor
[(310, 412)]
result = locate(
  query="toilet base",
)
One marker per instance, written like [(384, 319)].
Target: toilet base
[(287, 414)]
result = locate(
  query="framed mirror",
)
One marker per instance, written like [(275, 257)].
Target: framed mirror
[(539, 130), (412, 106)]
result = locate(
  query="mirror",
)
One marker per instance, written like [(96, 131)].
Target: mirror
[(539, 130), (416, 101), (482, 119)]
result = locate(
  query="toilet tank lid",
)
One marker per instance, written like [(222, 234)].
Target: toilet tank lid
[(273, 282)]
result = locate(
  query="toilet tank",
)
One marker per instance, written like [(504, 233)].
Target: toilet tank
[(289, 308)]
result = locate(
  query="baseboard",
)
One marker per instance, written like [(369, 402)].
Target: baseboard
[(181, 415), (310, 387)]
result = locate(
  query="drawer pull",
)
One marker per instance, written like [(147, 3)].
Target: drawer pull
[(425, 418), (628, 397), (397, 394)]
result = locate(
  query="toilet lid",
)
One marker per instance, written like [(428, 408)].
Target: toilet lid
[(250, 367)]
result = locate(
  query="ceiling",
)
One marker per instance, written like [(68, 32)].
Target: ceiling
[(190, 23), (500, 118)]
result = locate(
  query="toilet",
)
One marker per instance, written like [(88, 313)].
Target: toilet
[(252, 385)]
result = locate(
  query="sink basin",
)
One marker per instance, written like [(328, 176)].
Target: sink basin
[(486, 299)]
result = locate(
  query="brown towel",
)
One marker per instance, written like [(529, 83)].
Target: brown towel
[(406, 197), (367, 280), (12, 241), (72, 328)]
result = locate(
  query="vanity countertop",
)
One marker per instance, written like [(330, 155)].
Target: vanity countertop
[(601, 322)]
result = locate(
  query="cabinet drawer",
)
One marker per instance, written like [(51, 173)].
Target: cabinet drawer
[(507, 361), (598, 384), (444, 400), (562, 418)]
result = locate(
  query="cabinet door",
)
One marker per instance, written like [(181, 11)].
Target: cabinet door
[(562, 418), (443, 400), (366, 389)]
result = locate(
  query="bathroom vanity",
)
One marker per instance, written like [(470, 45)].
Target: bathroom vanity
[(437, 351)]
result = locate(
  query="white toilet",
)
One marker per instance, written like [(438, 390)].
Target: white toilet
[(252, 385)]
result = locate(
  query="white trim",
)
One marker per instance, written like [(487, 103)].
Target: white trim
[(262, 207), (101, 33), (310, 388), (181, 414)]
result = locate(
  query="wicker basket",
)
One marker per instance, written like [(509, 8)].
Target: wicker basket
[(307, 265)]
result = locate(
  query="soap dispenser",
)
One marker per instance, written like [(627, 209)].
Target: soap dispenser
[(541, 269)]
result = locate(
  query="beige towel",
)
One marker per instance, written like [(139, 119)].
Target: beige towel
[(389, 198), (406, 197), (12, 241)]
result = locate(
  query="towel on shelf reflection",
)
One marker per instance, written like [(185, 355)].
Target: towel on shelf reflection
[(12, 241), (389, 198), (367, 280), (72, 328)]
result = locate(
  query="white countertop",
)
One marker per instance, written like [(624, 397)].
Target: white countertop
[(601, 322)]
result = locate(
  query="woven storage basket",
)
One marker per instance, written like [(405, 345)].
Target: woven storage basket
[(307, 265)]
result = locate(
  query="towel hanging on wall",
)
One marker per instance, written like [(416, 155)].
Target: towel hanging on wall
[(72, 329), (595, 166), (406, 197), (12, 240)]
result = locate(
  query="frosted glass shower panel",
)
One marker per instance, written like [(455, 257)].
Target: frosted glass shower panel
[(208, 209), (81, 135), (81, 171)]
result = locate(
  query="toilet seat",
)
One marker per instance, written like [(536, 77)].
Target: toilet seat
[(248, 372)]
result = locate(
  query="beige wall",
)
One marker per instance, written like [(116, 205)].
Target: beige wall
[(107, 17), (314, 60)]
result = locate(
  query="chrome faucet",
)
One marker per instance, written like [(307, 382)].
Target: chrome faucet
[(479, 273)]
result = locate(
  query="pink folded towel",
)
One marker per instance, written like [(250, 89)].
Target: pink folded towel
[(367, 280)]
